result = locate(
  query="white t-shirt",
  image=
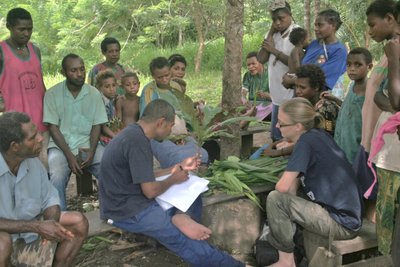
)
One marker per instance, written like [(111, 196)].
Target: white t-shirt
[(276, 69), (388, 157)]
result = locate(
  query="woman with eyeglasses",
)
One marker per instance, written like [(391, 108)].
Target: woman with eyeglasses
[(320, 169)]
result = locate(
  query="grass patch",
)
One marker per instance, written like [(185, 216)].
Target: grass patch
[(206, 85)]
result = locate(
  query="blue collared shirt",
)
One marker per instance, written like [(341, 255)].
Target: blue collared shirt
[(27, 195)]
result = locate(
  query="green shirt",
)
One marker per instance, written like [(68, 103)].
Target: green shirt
[(349, 124), (256, 83), (151, 92), (74, 116)]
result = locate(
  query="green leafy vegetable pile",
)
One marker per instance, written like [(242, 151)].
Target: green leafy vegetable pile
[(233, 176)]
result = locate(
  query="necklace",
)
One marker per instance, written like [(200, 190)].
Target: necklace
[(20, 49)]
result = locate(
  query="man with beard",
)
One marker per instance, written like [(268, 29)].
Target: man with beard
[(74, 112)]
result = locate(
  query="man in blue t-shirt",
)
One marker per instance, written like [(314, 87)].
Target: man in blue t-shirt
[(128, 188)]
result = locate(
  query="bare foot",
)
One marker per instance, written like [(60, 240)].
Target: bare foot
[(191, 228), (285, 260)]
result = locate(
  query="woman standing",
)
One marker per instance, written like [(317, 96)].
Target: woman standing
[(326, 51)]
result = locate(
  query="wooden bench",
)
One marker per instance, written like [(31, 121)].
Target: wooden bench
[(348, 253), (246, 145), (247, 138)]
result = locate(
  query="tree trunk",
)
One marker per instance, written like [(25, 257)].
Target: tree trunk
[(367, 38), (307, 17), (197, 15), (231, 76), (317, 7), (180, 37)]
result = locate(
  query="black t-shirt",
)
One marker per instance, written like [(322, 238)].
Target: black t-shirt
[(126, 163), (327, 178)]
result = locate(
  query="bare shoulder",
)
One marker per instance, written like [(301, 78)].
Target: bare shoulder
[(120, 99), (37, 51)]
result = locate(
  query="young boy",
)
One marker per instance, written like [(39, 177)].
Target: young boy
[(110, 48), (107, 84), (161, 84), (349, 121), (127, 106), (299, 38)]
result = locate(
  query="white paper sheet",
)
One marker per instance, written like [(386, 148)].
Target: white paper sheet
[(182, 196)]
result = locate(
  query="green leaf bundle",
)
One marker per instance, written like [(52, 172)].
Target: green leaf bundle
[(233, 176)]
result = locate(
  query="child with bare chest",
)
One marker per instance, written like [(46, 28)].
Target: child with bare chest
[(127, 106)]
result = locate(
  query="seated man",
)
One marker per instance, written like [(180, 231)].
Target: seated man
[(128, 189), (110, 48), (74, 112), (32, 229)]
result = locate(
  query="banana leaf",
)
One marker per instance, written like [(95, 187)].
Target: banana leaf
[(203, 126)]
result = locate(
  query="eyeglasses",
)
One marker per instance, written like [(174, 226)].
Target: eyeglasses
[(281, 124)]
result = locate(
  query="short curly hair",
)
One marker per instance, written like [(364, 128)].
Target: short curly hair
[(381, 8), (11, 128), (315, 75), (176, 58), (361, 51), (15, 14), (102, 76), (129, 74), (107, 41), (297, 35), (158, 63)]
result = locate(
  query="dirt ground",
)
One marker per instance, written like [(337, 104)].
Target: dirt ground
[(97, 249)]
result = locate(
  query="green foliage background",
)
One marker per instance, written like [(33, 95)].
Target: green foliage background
[(151, 28), (147, 29)]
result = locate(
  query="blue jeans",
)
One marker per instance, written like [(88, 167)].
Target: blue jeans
[(259, 152), (60, 171), (169, 154), (156, 223), (275, 132)]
